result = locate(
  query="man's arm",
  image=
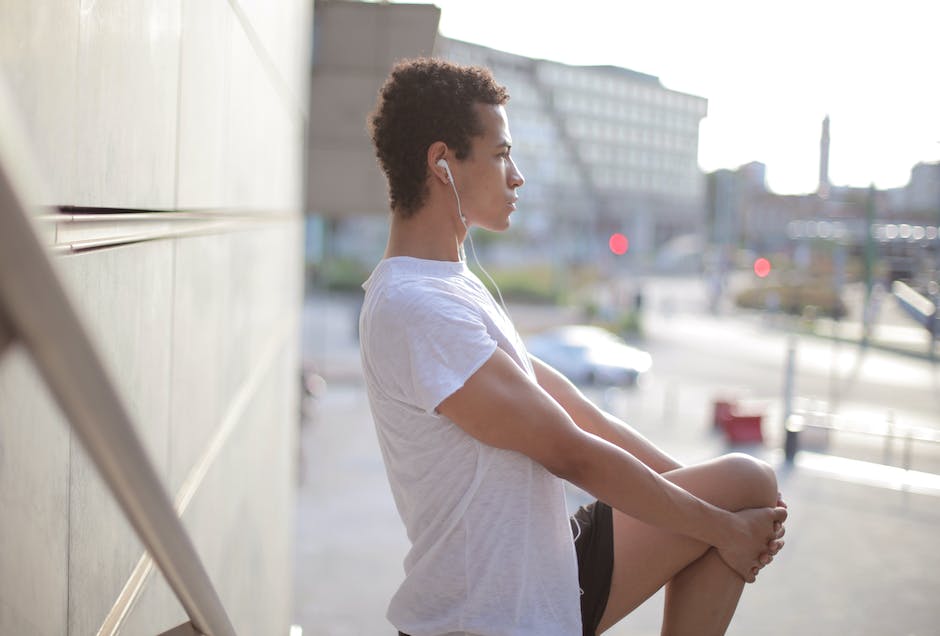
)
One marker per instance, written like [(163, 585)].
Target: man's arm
[(502, 407), (598, 422)]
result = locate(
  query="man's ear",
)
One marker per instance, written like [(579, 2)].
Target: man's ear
[(436, 152)]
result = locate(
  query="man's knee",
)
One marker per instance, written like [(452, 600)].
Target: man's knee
[(753, 478)]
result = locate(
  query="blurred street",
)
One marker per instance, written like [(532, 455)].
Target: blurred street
[(860, 555)]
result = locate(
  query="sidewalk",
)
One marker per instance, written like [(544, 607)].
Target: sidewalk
[(860, 558)]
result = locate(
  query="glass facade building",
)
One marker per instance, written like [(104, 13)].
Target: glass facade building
[(603, 149)]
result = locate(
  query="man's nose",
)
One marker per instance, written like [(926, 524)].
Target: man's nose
[(516, 179)]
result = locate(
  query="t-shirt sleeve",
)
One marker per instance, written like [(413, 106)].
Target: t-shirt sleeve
[(429, 345)]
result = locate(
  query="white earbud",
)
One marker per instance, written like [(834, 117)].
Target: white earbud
[(443, 164)]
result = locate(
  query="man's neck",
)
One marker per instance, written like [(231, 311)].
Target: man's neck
[(426, 235)]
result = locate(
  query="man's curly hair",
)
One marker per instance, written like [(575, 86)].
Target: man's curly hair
[(423, 101)]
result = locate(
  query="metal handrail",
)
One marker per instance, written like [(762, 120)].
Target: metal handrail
[(821, 420), (68, 215), (889, 432), (208, 227), (141, 226), (40, 314)]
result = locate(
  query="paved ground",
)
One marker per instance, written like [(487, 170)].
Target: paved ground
[(861, 555)]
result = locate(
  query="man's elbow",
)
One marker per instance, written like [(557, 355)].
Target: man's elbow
[(568, 458)]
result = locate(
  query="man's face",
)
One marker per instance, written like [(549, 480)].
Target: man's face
[(488, 178)]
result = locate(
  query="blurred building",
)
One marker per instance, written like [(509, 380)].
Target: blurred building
[(603, 149), (904, 223), (355, 46), (170, 139), (922, 193), (743, 213), (822, 189)]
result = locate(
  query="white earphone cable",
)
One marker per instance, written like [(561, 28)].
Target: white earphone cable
[(473, 251), (463, 257)]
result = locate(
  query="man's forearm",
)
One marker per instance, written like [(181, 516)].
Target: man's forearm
[(629, 485), (600, 423), (604, 425)]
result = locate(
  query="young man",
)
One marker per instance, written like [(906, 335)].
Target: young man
[(477, 435)]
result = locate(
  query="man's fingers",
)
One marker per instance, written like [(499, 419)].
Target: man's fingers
[(773, 547)]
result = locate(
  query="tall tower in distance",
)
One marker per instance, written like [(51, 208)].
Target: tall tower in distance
[(823, 189)]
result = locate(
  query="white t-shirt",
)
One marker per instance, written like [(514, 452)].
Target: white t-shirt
[(492, 551)]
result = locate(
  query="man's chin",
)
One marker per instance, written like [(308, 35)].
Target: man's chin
[(496, 227)]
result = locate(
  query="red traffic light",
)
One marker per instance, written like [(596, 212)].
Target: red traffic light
[(762, 267), (618, 244)]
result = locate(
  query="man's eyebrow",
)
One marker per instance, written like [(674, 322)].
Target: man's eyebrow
[(504, 144)]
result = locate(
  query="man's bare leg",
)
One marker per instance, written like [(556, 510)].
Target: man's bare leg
[(701, 591), (701, 599)]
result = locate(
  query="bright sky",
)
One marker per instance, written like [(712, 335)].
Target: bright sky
[(770, 71)]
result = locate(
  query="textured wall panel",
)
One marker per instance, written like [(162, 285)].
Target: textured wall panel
[(287, 47), (37, 44), (152, 105), (260, 162), (246, 540), (204, 77), (265, 289), (124, 295), (202, 352), (126, 104), (34, 522), (236, 295), (157, 609)]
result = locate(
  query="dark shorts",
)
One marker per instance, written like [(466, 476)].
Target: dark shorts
[(593, 529), (592, 526)]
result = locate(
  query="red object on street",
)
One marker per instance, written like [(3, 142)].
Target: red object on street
[(740, 427), (722, 412), (744, 429)]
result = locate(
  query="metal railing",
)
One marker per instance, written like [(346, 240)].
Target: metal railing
[(888, 432), (37, 311)]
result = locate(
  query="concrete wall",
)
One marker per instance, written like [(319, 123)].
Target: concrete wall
[(153, 108)]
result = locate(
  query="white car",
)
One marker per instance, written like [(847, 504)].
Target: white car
[(590, 355)]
